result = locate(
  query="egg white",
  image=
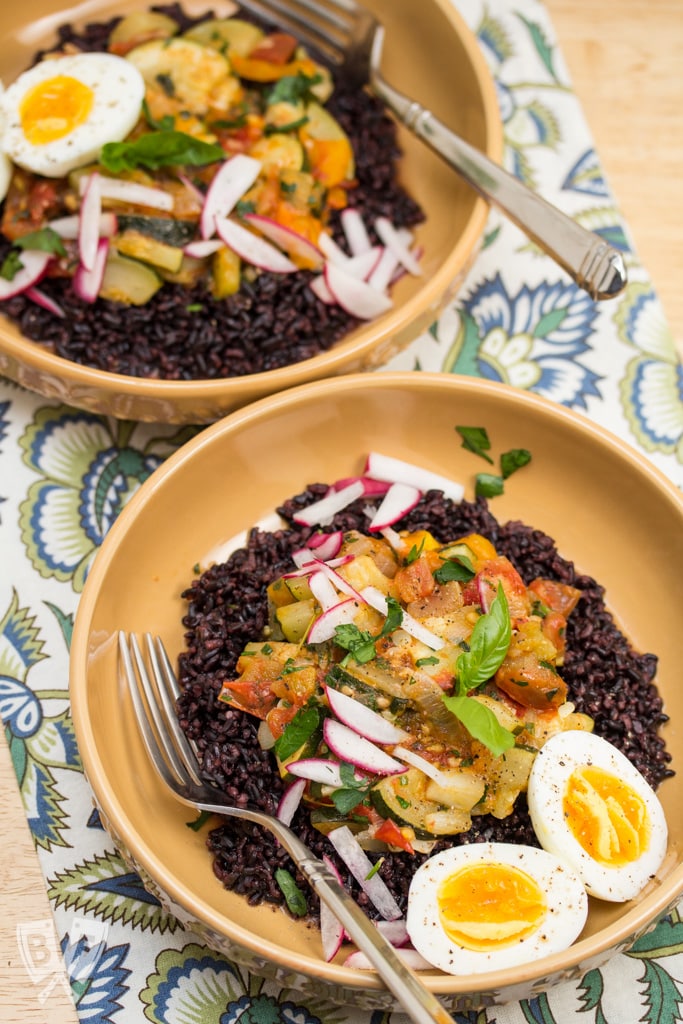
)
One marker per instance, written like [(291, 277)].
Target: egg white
[(553, 765), (565, 897), (5, 162), (118, 89)]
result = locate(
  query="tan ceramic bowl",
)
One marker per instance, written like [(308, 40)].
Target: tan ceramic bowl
[(607, 508), (433, 57)]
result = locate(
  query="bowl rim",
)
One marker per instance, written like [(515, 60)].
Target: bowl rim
[(32, 355), (636, 920)]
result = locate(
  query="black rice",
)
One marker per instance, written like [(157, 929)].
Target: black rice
[(186, 334), (227, 608)]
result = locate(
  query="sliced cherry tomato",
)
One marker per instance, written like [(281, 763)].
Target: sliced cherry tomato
[(277, 48), (279, 718), (389, 832)]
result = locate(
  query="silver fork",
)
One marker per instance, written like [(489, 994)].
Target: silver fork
[(351, 38), (154, 691)]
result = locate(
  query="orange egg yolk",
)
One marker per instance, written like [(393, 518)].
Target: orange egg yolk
[(606, 816), (490, 906), (53, 108)]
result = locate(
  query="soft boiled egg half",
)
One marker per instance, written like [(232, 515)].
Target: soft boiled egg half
[(490, 906), (590, 806), (59, 113)]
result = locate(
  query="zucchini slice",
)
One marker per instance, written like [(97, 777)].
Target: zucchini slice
[(403, 798)]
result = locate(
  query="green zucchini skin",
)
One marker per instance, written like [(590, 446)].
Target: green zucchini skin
[(162, 229)]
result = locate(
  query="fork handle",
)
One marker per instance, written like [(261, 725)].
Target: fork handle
[(591, 262)]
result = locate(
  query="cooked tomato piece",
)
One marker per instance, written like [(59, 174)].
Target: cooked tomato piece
[(277, 48), (415, 581), (252, 695), (501, 570), (554, 627), (389, 832), (279, 718), (559, 597), (531, 683)]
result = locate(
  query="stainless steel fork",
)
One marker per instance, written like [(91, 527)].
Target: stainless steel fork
[(154, 690), (351, 38)]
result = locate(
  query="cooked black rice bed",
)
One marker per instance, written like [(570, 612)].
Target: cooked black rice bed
[(273, 322), (227, 608)]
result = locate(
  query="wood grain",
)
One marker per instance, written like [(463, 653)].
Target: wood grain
[(625, 63)]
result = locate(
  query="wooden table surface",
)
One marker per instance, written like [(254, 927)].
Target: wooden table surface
[(625, 63)]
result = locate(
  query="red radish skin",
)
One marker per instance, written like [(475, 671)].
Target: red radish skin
[(324, 627), (291, 798), (41, 299), (392, 470), (356, 297), (89, 222), (331, 931), (321, 512), (87, 283), (289, 241)]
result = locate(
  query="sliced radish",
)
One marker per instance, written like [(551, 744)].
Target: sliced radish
[(356, 297), (393, 539), (233, 179), (363, 720), (89, 222), (131, 192), (360, 866), (396, 503), (363, 265), (324, 627), (385, 467), (291, 242), (33, 265), (291, 798), (410, 957), (194, 191), (326, 545), (317, 769), (67, 227), (376, 599), (302, 557), (323, 590), (395, 932), (394, 241), (371, 488), (432, 771), (203, 248), (347, 745), (86, 282), (253, 249), (355, 231), (331, 249), (339, 581), (320, 290), (323, 511), (331, 931), (41, 299), (383, 272)]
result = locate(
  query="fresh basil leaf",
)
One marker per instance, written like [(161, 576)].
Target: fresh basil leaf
[(11, 265), (459, 569), (294, 898), (431, 660), (488, 486), (293, 89), (513, 460), (481, 723), (159, 149), (348, 776), (345, 800), (489, 642), (46, 240), (475, 439), (301, 728)]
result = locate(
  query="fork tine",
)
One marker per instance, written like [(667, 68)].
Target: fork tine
[(158, 731), (169, 691)]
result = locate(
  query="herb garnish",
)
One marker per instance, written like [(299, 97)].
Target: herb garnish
[(43, 240), (513, 460), (459, 568), (488, 646), (159, 149), (293, 89), (11, 265), (294, 898), (199, 821), (487, 485), (359, 643), (476, 439), (352, 789), (297, 732)]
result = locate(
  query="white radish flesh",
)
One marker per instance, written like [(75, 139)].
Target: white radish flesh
[(392, 470), (347, 745), (397, 502)]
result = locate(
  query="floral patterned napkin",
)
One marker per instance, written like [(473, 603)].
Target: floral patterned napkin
[(65, 474)]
